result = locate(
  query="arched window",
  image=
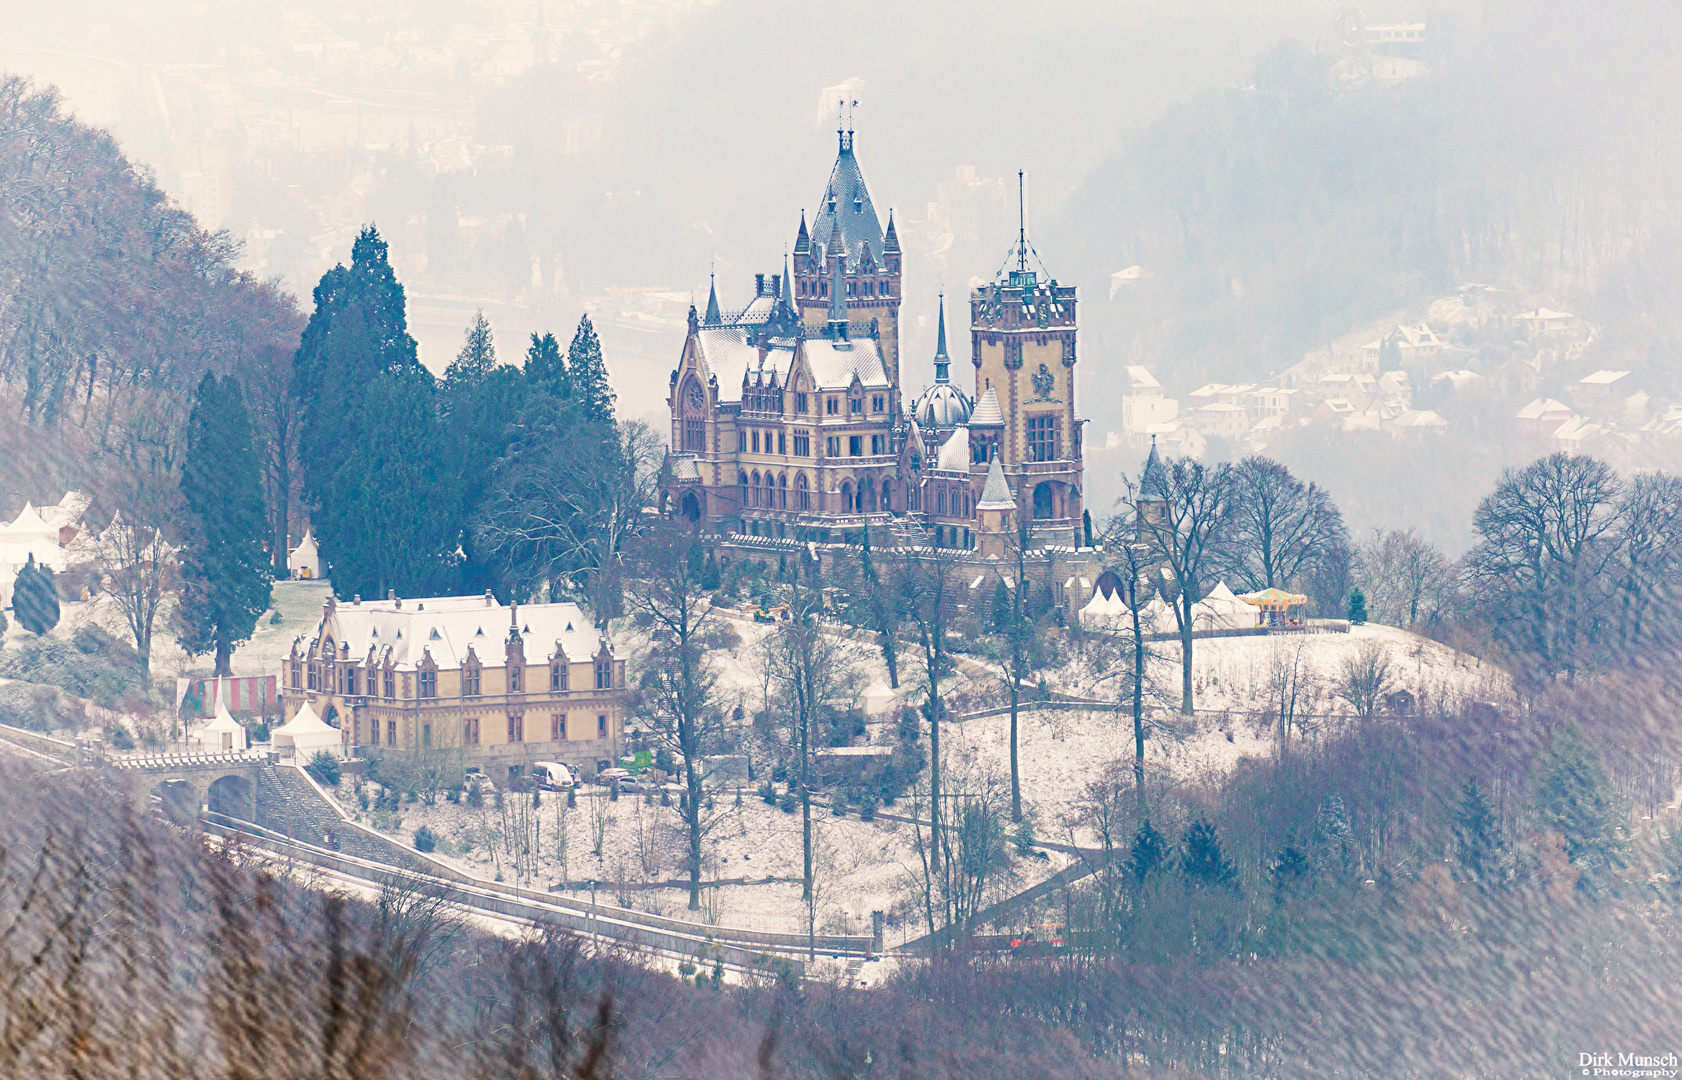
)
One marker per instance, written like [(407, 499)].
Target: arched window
[(756, 496), (940, 501), (887, 497), (1042, 501), (803, 494), (846, 497), (782, 491), (742, 481)]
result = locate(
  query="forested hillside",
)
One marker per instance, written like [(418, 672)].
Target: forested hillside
[(113, 304), (1536, 151)]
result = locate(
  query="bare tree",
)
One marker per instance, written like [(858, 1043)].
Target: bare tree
[(1131, 563), (1366, 678), (1291, 684), (1181, 511), (1279, 530), (275, 412), (812, 670), (1407, 579), (1649, 542), (1545, 540), (929, 583), (565, 512), (678, 680), (138, 569), (1015, 629)]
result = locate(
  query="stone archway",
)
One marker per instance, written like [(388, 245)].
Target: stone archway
[(690, 506), (180, 799), (1109, 583), (235, 796)]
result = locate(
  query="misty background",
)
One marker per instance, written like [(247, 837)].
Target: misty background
[(1242, 191)]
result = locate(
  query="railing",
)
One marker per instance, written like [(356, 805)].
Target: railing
[(693, 941)]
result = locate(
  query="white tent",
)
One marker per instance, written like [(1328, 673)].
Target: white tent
[(305, 559), (878, 699), (223, 734), (1221, 610), (305, 734)]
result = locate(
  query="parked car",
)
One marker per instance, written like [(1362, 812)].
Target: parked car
[(608, 776), (551, 775), (635, 785), (480, 782)]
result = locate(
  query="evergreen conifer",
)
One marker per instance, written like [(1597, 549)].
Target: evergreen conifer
[(1086, 526), (587, 374), (35, 597), (225, 572), (1574, 796), (1357, 607), (1203, 862), (546, 367), (1477, 833), (1149, 852)]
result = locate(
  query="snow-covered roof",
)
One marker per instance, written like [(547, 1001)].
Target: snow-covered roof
[(987, 411), (446, 627), (954, 453), (1141, 378), (995, 494), (685, 467), (1543, 407), (1602, 378), (833, 364), (1543, 313)]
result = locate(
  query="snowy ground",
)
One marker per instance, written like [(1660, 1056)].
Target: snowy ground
[(861, 866)]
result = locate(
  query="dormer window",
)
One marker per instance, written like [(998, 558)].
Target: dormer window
[(604, 673), (470, 678), (557, 676), (516, 678), (428, 683)]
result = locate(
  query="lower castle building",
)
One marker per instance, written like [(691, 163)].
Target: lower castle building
[(463, 680)]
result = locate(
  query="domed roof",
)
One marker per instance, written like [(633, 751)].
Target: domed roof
[(942, 406)]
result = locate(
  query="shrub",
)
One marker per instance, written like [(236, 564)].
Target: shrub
[(425, 839), (664, 762), (572, 798), (768, 792), (867, 808), (258, 732), (39, 708), (475, 797), (789, 802), (93, 664), (120, 738), (325, 768)]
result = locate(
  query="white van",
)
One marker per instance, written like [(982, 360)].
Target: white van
[(551, 775)]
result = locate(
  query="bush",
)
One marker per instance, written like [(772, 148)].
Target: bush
[(325, 768), (768, 792), (867, 808), (93, 664), (39, 708), (664, 762), (258, 732), (425, 839), (572, 798), (475, 797), (119, 738), (789, 802)]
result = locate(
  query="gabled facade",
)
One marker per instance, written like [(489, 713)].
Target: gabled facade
[(464, 678)]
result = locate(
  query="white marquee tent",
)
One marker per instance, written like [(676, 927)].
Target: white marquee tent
[(305, 734)]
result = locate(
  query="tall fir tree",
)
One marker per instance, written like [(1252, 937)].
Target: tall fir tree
[(546, 367), (1574, 797), (482, 402), (476, 358), (378, 486), (35, 597), (225, 572), (587, 374), (1477, 833), (1203, 862)]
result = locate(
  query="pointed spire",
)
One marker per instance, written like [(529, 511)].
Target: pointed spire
[(941, 360), (995, 494), (802, 242), (837, 301), (785, 294), (1151, 484), (714, 317), (891, 241), (837, 247)]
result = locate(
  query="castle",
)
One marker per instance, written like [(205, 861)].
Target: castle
[(790, 421)]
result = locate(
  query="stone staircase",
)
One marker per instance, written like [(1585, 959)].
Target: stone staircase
[(909, 533)]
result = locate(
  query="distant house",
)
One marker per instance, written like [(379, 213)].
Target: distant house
[(305, 559), (1543, 416), (1411, 343), (1221, 419), (1546, 321), (1576, 432), (1144, 407), (1600, 387), (1417, 421), (1264, 401)]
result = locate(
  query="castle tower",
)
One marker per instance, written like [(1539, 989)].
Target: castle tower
[(995, 514), (1022, 342), (847, 230)]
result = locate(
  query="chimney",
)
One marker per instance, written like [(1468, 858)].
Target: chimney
[(490, 601), (758, 285), (356, 600), (776, 285)]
